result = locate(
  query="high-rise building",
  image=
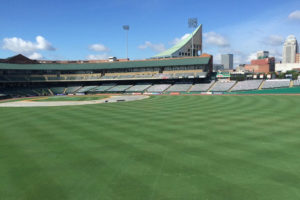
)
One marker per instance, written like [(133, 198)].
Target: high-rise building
[(290, 49), (262, 54), (227, 61)]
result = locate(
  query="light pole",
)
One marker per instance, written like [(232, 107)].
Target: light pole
[(193, 23), (126, 28)]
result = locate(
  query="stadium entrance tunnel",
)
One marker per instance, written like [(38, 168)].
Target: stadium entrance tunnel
[(32, 103)]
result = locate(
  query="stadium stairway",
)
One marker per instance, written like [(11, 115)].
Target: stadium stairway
[(167, 88), (50, 91), (190, 88), (261, 85), (212, 86), (233, 86)]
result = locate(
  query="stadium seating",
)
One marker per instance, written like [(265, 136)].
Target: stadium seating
[(143, 76), (119, 88), (222, 86), (200, 74), (276, 83), (180, 87), (37, 78), (108, 77), (55, 78), (138, 88), (297, 82), (102, 88), (184, 75), (57, 90), (162, 76), (247, 85), (201, 87), (158, 88), (86, 89), (72, 89), (75, 78)]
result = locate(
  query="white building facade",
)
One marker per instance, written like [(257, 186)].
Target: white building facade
[(290, 49)]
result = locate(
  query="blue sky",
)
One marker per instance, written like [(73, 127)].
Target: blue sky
[(65, 29)]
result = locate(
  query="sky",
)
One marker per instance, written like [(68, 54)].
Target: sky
[(92, 29)]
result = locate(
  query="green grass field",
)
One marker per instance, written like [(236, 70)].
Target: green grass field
[(165, 147), (70, 98)]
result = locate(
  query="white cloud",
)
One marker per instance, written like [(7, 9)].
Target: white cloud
[(252, 56), (273, 40), (215, 39), (177, 40), (97, 57), (35, 56), (154, 47), (295, 15), (99, 47), (18, 45)]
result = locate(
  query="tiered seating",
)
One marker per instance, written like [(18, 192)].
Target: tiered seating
[(201, 87), (158, 88), (93, 77), (57, 90), (184, 75), (55, 78), (108, 77), (222, 86), (276, 83), (297, 82), (162, 76), (126, 77), (41, 91), (247, 85), (75, 78), (138, 88), (180, 87), (37, 78), (119, 88), (17, 78), (72, 89), (143, 76), (102, 88), (85, 89), (201, 74), (3, 79)]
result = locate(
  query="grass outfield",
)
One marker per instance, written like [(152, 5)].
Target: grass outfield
[(70, 98), (164, 147)]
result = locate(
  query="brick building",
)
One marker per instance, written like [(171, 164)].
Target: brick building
[(265, 65)]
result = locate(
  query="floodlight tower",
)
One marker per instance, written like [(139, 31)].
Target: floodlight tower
[(126, 28), (193, 23)]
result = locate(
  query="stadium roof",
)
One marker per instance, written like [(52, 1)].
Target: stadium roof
[(110, 65), (176, 47)]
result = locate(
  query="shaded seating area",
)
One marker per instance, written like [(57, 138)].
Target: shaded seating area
[(201, 87)]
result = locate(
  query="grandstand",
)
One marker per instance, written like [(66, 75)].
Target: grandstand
[(222, 86), (180, 87), (297, 82), (276, 83), (158, 88), (139, 87), (119, 88), (247, 85), (203, 87)]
